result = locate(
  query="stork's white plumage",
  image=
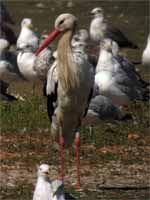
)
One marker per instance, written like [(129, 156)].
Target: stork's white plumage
[(75, 80), (27, 37), (146, 53)]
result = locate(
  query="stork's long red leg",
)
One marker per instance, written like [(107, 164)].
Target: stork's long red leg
[(61, 144), (77, 146)]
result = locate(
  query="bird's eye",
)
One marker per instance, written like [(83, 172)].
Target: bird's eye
[(61, 22), (76, 39)]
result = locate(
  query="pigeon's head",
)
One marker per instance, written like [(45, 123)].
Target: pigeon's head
[(27, 22), (43, 170)]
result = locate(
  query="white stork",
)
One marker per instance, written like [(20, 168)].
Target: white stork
[(75, 83)]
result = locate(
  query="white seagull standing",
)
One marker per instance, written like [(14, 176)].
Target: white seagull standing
[(47, 189), (43, 189), (27, 37), (115, 80), (75, 83), (99, 29), (146, 53)]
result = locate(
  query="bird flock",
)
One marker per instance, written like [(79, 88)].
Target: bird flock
[(80, 87)]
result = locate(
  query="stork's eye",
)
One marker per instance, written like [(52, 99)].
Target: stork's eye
[(61, 22)]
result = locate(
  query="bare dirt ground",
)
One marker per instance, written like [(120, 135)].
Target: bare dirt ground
[(105, 171)]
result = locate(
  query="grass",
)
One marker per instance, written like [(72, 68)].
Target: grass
[(30, 115)]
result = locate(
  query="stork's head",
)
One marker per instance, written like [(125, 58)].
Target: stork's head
[(26, 22), (97, 12), (64, 22), (43, 170)]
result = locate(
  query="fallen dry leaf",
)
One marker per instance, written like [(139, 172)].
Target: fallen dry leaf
[(133, 136), (7, 155), (115, 149)]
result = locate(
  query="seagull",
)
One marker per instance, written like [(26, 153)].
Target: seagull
[(116, 80), (146, 53), (27, 37), (34, 68), (74, 88), (47, 189), (26, 60), (43, 189), (99, 29), (126, 64), (101, 108), (8, 63)]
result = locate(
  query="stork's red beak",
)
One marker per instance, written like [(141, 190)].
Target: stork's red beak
[(48, 40)]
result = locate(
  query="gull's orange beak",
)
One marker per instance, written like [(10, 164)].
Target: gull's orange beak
[(46, 173), (48, 40)]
